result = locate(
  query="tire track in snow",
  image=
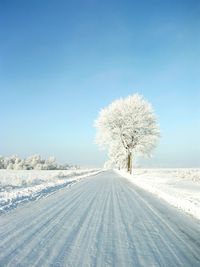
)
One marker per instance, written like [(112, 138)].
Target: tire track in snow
[(89, 234), (46, 217), (101, 221), (178, 249), (59, 250), (148, 247), (22, 220), (167, 236), (51, 228), (26, 235)]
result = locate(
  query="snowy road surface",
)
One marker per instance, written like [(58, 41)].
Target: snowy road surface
[(103, 220)]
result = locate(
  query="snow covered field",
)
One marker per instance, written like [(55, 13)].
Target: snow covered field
[(20, 186), (179, 187)]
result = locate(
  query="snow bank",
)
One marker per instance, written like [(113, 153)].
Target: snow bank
[(22, 186), (179, 187)]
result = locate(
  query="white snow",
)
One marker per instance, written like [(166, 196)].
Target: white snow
[(101, 221), (25, 185), (179, 187)]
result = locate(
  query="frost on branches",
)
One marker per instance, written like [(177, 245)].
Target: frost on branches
[(35, 162), (127, 127)]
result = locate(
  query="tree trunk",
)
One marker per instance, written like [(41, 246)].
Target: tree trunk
[(129, 163)]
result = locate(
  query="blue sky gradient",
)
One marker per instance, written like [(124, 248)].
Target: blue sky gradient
[(62, 61)]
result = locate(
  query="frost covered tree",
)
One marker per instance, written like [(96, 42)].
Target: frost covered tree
[(34, 162), (117, 155), (51, 163), (130, 124), (1, 162)]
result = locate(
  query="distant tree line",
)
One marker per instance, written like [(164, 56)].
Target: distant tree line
[(34, 162)]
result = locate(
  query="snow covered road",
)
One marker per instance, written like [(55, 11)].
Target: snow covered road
[(103, 220)]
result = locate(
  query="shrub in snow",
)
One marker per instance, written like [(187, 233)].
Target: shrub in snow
[(127, 126), (34, 162)]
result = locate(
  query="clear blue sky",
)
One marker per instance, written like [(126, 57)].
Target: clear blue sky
[(62, 61)]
